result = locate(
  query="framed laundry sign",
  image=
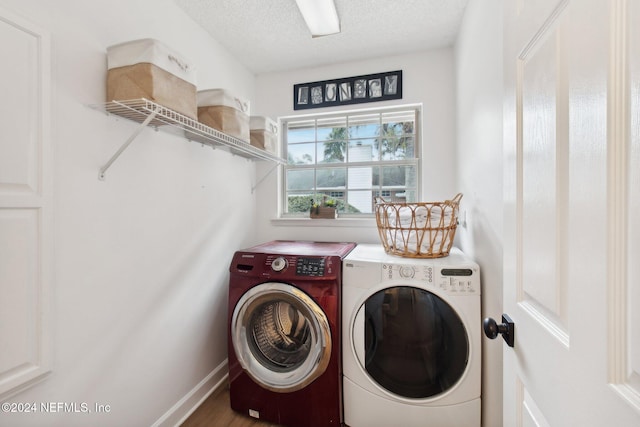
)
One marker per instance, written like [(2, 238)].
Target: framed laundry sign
[(349, 90)]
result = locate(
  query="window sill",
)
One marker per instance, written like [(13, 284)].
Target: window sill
[(338, 222)]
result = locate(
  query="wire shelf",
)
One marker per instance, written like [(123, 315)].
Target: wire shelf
[(148, 113)]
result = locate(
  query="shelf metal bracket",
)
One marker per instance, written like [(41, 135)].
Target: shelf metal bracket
[(144, 124), (264, 177)]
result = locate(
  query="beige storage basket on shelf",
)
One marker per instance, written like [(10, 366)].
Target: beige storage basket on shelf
[(263, 133), (221, 110), (148, 69), (417, 230)]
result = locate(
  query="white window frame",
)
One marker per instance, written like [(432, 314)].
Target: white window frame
[(414, 161)]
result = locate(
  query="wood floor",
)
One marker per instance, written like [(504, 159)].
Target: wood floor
[(216, 411)]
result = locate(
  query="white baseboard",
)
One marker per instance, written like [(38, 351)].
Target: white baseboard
[(179, 412)]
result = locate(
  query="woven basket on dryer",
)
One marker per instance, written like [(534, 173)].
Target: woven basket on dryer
[(417, 230)]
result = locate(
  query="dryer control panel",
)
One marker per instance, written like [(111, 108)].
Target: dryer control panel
[(423, 273), (450, 280), (458, 280), (461, 280)]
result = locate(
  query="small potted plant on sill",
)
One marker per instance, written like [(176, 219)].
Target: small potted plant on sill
[(324, 210)]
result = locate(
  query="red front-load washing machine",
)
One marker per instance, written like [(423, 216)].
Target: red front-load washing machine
[(284, 332)]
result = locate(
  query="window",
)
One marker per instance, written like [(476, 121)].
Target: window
[(350, 158)]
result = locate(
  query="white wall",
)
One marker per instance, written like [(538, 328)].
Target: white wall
[(428, 79), (479, 158), (141, 259)]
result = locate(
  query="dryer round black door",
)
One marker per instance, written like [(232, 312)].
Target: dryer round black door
[(281, 337), (415, 344)]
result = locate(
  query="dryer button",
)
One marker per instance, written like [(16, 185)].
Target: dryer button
[(407, 272)]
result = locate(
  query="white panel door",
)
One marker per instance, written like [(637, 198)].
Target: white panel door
[(25, 204), (571, 280)]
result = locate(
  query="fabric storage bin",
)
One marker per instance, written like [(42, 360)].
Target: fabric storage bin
[(219, 109), (146, 68), (264, 133)]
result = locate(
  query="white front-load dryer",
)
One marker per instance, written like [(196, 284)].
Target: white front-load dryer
[(411, 340)]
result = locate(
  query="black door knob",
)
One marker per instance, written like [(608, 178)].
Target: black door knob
[(507, 329)]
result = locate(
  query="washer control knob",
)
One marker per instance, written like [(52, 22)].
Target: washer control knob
[(279, 264), (407, 272)]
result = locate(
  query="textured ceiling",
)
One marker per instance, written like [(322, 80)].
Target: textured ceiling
[(270, 35)]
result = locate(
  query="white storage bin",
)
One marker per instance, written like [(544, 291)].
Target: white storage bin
[(221, 110), (146, 68), (264, 133)]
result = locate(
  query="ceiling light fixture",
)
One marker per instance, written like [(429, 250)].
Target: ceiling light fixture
[(321, 16)]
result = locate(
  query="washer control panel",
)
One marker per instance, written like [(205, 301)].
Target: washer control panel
[(293, 265), (310, 266)]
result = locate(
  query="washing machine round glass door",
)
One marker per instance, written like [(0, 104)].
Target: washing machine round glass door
[(415, 344), (281, 337)]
